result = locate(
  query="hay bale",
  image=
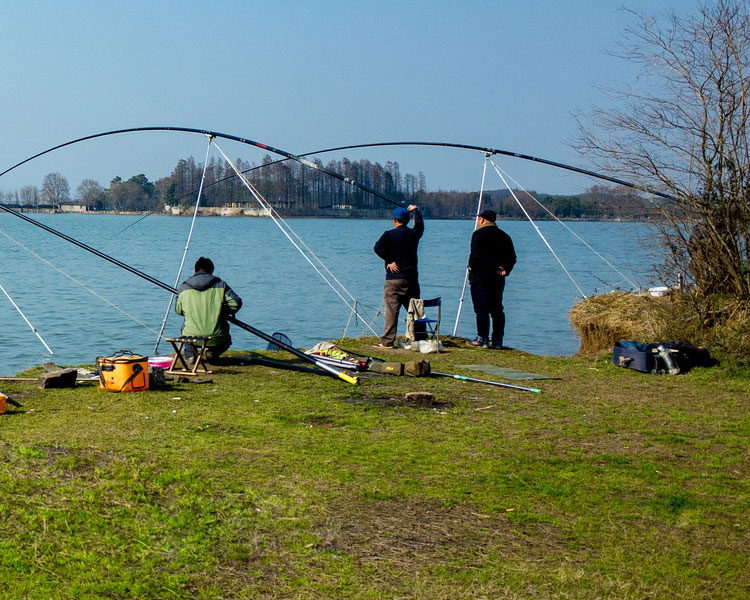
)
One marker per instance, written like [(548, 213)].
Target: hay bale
[(603, 320)]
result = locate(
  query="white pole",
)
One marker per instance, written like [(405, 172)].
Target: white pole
[(476, 218), (187, 246), (20, 312)]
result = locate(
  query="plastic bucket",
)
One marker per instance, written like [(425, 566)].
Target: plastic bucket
[(3, 399), (160, 362)]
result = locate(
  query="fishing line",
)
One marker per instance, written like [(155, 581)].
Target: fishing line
[(83, 285), (148, 214), (557, 258), (580, 239), (23, 316), (267, 206), (187, 247), (285, 229), (476, 219)]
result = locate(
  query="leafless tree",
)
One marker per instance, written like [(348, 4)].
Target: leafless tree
[(55, 189), (681, 127), (90, 193), (28, 195)]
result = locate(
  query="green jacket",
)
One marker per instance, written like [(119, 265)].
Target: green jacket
[(205, 301)]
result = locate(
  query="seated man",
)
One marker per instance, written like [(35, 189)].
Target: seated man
[(205, 301)]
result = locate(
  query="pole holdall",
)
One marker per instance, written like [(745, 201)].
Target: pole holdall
[(123, 372)]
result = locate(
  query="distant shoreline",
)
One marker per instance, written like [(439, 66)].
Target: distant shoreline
[(219, 212)]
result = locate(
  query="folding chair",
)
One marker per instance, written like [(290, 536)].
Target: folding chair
[(432, 325), (197, 345)]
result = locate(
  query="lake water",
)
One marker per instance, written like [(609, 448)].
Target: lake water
[(281, 291)]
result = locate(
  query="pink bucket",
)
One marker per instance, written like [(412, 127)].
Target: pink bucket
[(160, 362)]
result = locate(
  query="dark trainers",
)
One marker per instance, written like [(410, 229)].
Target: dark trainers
[(479, 342), (382, 345)]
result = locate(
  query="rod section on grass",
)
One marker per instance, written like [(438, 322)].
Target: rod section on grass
[(488, 381)]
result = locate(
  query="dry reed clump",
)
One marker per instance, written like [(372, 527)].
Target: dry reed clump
[(720, 324), (727, 329), (603, 320)]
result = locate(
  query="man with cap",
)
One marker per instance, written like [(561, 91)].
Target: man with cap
[(491, 260), (398, 249)]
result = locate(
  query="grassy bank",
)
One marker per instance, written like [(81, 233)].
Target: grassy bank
[(266, 483)]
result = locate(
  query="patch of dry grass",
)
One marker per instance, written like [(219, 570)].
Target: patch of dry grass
[(719, 324), (603, 320)]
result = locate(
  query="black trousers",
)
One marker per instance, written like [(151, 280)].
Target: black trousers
[(488, 302)]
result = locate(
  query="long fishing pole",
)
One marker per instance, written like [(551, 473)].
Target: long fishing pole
[(446, 144), (231, 319), (302, 160), (217, 134), (497, 383)]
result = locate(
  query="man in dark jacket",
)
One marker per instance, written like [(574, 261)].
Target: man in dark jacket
[(491, 260), (205, 301), (398, 249)]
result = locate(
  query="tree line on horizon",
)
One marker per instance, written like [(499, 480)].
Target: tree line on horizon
[(295, 190)]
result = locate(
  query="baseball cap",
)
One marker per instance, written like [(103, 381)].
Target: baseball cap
[(489, 215), (400, 213)]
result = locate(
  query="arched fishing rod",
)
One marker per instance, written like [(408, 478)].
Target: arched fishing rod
[(287, 155), (494, 151), (488, 152), (302, 160), (257, 332)]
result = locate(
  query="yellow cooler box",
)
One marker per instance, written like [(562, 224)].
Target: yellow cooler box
[(123, 372)]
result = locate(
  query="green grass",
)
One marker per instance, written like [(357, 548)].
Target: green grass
[(275, 484)]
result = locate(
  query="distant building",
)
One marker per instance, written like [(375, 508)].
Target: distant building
[(72, 207)]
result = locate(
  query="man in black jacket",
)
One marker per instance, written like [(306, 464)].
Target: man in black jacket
[(491, 260), (398, 249)]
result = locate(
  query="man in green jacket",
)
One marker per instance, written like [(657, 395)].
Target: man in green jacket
[(205, 301)]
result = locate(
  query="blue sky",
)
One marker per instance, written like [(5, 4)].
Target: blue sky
[(303, 76)]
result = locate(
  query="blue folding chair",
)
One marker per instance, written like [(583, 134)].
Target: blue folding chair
[(432, 326)]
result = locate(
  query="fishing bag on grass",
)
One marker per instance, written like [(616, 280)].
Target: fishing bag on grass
[(412, 368), (123, 372), (664, 357), (391, 368), (417, 368)]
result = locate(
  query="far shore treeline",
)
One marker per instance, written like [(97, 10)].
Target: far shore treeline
[(296, 190)]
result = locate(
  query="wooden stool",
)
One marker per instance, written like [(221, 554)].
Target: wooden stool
[(198, 346)]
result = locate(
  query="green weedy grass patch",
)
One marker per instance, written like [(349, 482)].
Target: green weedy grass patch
[(268, 483)]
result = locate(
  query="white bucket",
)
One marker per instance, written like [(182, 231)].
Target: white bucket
[(428, 346)]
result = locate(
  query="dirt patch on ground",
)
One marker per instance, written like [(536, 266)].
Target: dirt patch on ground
[(397, 401), (410, 533)]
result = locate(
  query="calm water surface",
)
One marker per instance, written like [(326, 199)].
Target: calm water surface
[(281, 291)]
